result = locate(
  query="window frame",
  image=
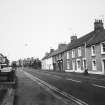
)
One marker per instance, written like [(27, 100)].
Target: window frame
[(79, 51), (94, 67), (93, 51), (102, 52), (73, 53), (67, 55), (68, 64)]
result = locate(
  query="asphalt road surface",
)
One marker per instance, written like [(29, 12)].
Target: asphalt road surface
[(30, 91), (85, 90)]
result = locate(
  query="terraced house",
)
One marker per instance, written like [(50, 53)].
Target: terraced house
[(55, 60), (95, 51), (87, 51)]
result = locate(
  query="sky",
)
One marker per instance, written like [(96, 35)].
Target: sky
[(30, 28)]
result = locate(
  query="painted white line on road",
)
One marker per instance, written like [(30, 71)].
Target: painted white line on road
[(73, 80), (99, 86), (76, 100)]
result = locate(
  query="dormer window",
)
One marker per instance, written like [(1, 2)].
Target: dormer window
[(79, 51), (73, 53), (93, 50), (103, 48)]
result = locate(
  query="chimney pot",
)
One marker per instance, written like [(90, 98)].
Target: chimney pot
[(51, 50), (73, 38), (98, 25)]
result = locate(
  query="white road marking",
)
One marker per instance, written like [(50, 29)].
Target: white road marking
[(70, 97), (98, 86), (73, 80)]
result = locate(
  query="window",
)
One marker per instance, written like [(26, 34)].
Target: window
[(93, 51), (103, 48), (59, 56), (73, 53), (68, 65), (78, 64), (68, 57), (73, 64), (94, 64), (79, 51)]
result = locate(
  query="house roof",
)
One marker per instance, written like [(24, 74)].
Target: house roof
[(46, 56), (80, 41), (58, 51), (97, 38), (91, 38), (55, 52)]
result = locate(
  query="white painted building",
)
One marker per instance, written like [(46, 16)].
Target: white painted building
[(47, 64)]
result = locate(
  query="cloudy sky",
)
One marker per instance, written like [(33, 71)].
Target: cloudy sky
[(29, 28)]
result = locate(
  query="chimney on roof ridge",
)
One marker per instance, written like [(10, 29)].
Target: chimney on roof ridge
[(61, 46), (73, 38), (98, 25), (46, 54), (51, 50)]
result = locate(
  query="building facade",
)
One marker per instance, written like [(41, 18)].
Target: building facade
[(47, 62), (96, 50), (86, 52)]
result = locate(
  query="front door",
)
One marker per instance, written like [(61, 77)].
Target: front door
[(78, 65)]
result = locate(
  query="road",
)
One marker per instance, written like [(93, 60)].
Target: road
[(30, 91), (82, 89)]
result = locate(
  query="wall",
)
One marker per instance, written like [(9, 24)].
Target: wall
[(98, 58), (47, 64)]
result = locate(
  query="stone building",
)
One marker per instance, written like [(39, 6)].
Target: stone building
[(86, 52)]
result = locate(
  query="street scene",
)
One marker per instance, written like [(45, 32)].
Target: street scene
[(86, 90), (32, 92), (52, 52)]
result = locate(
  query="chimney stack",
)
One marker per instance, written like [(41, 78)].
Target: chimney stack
[(73, 38), (51, 50), (61, 46), (46, 54), (98, 25)]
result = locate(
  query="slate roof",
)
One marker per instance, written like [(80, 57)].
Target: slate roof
[(46, 57), (98, 38), (91, 38), (58, 51), (80, 41)]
